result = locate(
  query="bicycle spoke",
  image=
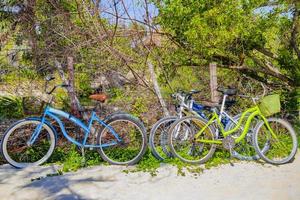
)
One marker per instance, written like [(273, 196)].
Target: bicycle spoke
[(281, 141), (131, 146), (15, 144), (184, 144)]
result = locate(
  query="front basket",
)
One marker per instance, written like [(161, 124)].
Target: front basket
[(270, 105)]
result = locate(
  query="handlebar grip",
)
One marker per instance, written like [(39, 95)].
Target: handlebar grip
[(194, 92), (54, 88), (49, 78)]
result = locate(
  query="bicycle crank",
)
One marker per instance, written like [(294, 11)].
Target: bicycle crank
[(228, 143)]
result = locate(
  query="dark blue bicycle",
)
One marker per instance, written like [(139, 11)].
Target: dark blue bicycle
[(121, 138)]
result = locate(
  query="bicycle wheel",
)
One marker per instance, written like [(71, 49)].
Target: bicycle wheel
[(244, 150), (158, 139), (15, 148), (282, 145), (183, 144), (133, 142)]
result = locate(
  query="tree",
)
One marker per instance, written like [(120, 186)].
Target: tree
[(238, 34), (258, 38)]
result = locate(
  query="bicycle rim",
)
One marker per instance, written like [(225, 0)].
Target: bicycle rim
[(16, 150), (129, 150), (244, 150), (282, 145), (159, 138), (183, 143)]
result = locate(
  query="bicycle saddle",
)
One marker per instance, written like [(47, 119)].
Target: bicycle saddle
[(101, 97), (194, 91), (228, 91)]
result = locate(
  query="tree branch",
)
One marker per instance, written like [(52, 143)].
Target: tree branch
[(294, 33)]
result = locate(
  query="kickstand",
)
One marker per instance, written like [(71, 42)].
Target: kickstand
[(83, 163), (231, 163)]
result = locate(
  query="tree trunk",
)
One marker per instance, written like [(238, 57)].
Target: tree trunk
[(157, 89), (72, 94), (214, 83), (69, 90)]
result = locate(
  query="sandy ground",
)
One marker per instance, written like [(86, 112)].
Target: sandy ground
[(241, 181)]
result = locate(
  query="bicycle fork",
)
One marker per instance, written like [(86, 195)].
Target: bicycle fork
[(36, 133)]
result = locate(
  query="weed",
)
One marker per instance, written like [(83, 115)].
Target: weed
[(148, 164), (139, 107), (11, 108), (72, 160)]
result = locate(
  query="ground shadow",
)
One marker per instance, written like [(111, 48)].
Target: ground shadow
[(53, 186)]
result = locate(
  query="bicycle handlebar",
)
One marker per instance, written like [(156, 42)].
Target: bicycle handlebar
[(254, 99), (246, 96), (184, 94), (50, 78), (57, 86)]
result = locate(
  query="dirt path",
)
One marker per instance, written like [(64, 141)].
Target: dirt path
[(241, 181)]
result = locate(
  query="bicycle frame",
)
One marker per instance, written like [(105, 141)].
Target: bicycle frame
[(215, 118), (55, 114)]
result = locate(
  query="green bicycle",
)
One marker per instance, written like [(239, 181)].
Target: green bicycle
[(273, 139)]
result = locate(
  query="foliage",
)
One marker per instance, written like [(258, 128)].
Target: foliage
[(139, 107), (84, 85), (11, 108), (58, 155), (72, 160), (185, 78), (116, 94), (151, 165), (258, 40)]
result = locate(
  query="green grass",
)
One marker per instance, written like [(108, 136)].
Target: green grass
[(151, 165), (72, 160)]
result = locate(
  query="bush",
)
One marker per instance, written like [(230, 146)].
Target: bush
[(11, 108)]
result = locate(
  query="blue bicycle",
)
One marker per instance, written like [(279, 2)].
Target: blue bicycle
[(121, 138)]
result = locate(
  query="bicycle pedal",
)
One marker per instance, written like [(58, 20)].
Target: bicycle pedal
[(230, 158)]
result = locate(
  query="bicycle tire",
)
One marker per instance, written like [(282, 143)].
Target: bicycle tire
[(15, 126), (163, 137), (179, 155), (247, 138), (123, 118), (263, 154)]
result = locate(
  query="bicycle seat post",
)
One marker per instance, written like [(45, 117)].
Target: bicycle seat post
[(181, 107), (254, 99), (222, 106)]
